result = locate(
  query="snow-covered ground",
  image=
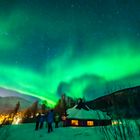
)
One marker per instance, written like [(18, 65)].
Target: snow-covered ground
[(27, 132)]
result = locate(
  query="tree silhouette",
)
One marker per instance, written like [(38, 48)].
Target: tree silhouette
[(34, 108), (16, 107), (44, 106)]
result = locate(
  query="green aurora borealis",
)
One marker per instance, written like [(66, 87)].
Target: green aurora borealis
[(80, 48)]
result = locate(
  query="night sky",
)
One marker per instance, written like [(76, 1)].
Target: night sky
[(83, 48)]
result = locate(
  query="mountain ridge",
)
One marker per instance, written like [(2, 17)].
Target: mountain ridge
[(121, 103)]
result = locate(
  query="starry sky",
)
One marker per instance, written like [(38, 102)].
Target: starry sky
[(83, 48)]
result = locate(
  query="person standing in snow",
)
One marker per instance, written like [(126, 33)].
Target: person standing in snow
[(42, 119), (56, 120), (37, 121), (64, 118), (50, 119)]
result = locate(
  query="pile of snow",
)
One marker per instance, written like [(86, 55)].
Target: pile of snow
[(86, 114)]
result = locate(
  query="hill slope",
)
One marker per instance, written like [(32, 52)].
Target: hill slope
[(122, 103), (8, 103)]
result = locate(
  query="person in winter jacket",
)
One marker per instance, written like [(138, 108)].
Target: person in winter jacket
[(37, 121), (42, 119), (50, 119), (56, 120)]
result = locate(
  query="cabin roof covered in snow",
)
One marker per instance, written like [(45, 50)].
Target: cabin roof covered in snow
[(86, 114)]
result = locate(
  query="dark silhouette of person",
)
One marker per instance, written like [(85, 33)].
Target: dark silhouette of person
[(42, 119), (56, 120), (64, 119), (37, 121), (50, 119)]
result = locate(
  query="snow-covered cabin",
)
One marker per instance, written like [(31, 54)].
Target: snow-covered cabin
[(82, 115)]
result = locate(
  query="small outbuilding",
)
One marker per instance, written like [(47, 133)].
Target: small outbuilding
[(82, 115)]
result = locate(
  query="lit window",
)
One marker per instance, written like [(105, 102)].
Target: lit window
[(90, 123), (74, 122)]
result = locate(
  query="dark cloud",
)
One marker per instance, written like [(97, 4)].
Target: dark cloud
[(89, 86)]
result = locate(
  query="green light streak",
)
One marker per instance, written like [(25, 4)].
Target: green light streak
[(25, 82)]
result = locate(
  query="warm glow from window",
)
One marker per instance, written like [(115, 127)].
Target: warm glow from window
[(115, 122), (74, 122), (90, 123)]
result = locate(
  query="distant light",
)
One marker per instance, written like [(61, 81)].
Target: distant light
[(116, 122), (16, 121), (64, 117), (31, 116)]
